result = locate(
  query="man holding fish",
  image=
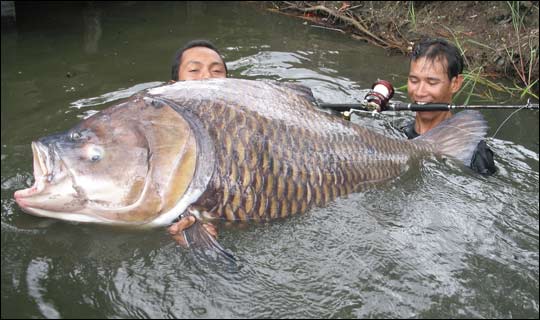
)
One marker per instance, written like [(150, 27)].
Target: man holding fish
[(435, 75), (197, 60)]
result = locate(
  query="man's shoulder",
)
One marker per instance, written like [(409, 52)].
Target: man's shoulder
[(482, 160), (408, 129)]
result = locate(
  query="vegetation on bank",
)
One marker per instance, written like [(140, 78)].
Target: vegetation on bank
[(499, 39)]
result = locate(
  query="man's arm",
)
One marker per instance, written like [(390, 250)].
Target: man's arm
[(177, 228)]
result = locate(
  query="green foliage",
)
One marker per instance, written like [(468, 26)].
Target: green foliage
[(524, 57), (412, 14)]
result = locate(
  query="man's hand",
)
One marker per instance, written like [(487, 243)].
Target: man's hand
[(176, 229)]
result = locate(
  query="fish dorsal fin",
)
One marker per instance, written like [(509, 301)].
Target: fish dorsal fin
[(299, 89)]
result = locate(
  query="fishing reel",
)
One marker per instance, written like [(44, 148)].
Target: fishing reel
[(378, 97), (376, 100)]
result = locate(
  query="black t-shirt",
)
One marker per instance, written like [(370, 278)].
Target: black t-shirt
[(481, 161)]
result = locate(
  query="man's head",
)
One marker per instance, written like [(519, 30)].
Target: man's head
[(198, 59), (435, 71)]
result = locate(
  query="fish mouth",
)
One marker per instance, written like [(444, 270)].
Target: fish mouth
[(42, 171), (45, 174)]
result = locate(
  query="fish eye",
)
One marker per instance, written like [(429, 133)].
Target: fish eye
[(95, 153), (75, 135)]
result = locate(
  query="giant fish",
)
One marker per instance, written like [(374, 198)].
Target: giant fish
[(230, 149)]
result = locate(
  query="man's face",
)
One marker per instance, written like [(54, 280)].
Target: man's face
[(201, 63), (428, 83)]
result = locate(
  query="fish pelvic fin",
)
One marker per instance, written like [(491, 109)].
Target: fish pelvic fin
[(457, 136), (199, 239)]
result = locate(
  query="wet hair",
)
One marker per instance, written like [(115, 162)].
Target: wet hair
[(192, 44), (437, 49)]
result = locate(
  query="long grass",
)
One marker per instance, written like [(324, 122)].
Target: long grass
[(412, 14), (523, 67), (477, 76), (477, 83), (528, 49)]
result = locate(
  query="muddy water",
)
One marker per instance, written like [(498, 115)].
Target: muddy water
[(438, 242)]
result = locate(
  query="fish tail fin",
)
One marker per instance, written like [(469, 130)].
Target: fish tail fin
[(458, 136), (198, 238)]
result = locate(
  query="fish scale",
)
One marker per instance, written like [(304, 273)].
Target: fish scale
[(300, 162)]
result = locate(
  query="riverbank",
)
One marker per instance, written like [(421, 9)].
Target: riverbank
[(499, 39)]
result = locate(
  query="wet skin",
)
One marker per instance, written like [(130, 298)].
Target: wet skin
[(428, 83), (201, 63)]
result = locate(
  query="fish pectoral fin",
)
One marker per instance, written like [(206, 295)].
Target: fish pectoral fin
[(197, 237)]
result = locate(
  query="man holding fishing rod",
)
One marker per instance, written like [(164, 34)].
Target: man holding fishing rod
[(435, 75)]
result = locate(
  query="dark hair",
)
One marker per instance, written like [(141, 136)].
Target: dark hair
[(192, 44), (434, 49)]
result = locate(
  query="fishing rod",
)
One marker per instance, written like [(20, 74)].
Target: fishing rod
[(378, 99), (402, 106)]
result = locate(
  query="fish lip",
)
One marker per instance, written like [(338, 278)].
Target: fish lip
[(43, 172)]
